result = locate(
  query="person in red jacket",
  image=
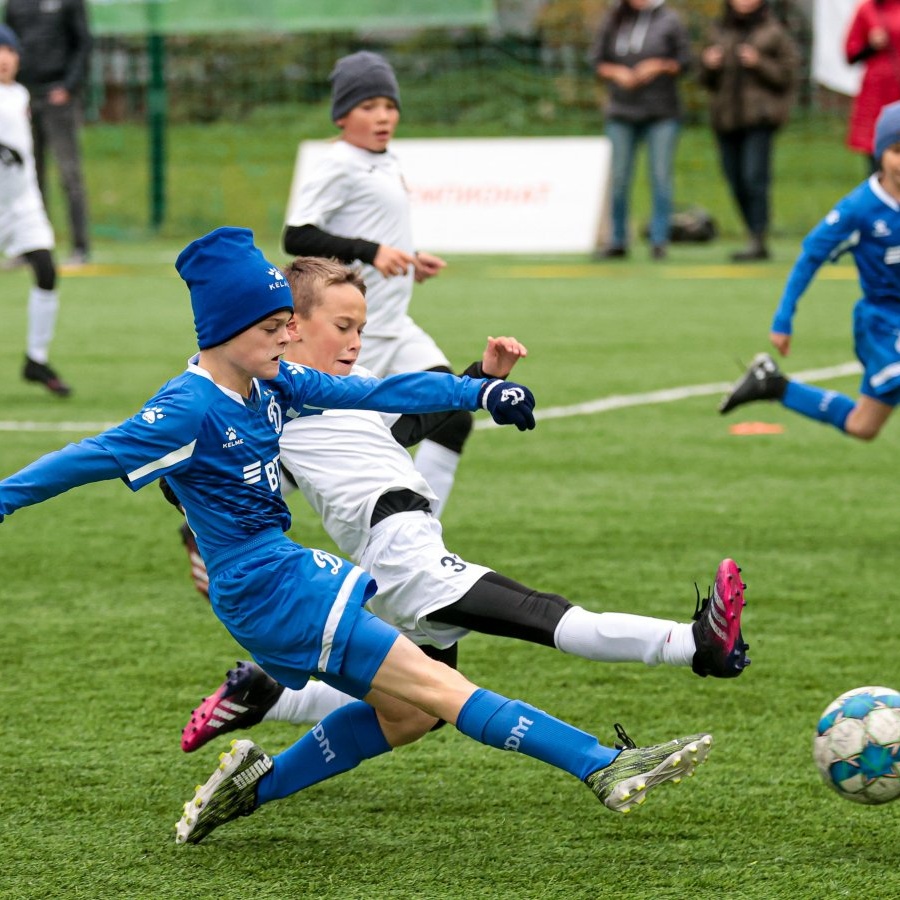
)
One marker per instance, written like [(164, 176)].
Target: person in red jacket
[(873, 39)]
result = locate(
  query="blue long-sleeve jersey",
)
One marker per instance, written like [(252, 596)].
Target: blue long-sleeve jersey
[(864, 223), (219, 451)]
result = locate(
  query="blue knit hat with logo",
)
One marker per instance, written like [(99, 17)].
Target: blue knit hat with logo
[(8, 38), (361, 76), (887, 129), (232, 285)]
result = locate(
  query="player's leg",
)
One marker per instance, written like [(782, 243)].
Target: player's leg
[(249, 696), (433, 595), (43, 307), (867, 418), (712, 644), (248, 777), (876, 347), (619, 777)]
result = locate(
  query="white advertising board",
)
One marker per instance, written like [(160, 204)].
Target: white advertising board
[(499, 195)]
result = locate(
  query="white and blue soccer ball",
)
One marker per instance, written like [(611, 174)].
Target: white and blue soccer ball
[(857, 745)]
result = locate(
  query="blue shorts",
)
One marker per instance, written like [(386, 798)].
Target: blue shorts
[(876, 333), (295, 610)]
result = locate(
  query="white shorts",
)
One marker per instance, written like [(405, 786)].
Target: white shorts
[(410, 350), (416, 575), (21, 232)]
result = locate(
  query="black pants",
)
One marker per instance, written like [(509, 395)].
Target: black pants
[(746, 158)]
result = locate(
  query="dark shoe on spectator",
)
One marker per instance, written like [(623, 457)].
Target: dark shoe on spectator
[(658, 251), (43, 374), (611, 252), (755, 250), (76, 259)]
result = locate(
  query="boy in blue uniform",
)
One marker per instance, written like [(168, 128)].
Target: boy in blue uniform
[(865, 223), (213, 432)]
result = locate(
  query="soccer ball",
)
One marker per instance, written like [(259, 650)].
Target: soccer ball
[(857, 745)]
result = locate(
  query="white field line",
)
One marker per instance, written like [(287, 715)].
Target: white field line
[(591, 407)]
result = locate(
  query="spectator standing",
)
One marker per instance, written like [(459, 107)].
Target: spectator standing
[(749, 66), (873, 39), (640, 50), (56, 43)]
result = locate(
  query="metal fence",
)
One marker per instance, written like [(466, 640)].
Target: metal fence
[(534, 79)]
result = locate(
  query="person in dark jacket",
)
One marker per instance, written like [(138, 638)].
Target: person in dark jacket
[(749, 67), (56, 43), (640, 50)]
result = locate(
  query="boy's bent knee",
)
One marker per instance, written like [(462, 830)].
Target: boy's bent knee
[(405, 726)]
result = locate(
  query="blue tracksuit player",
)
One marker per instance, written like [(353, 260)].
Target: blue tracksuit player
[(866, 224), (213, 432)]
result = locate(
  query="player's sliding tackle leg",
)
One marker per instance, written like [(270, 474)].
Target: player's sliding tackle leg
[(247, 777), (712, 644)]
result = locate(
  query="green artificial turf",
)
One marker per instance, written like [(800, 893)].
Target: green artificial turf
[(106, 647)]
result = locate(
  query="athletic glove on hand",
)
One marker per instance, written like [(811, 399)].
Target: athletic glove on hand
[(508, 403)]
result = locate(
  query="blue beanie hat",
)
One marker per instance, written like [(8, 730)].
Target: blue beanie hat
[(887, 129), (361, 76), (8, 38), (233, 286)]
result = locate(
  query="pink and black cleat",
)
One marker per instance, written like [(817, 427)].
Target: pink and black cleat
[(241, 701), (721, 651)]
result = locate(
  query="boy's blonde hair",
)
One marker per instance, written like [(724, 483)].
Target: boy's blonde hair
[(308, 276)]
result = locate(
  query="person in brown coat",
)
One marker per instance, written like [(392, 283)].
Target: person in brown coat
[(749, 66)]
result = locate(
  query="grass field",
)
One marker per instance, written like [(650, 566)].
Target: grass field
[(106, 647)]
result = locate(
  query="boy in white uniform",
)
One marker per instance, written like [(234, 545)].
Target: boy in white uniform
[(24, 228), (354, 206), (375, 506)]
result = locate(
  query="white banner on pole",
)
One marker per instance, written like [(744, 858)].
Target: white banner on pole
[(831, 21), (499, 195)]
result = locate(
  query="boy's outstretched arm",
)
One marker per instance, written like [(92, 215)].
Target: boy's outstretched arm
[(507, 402), (57, 472)]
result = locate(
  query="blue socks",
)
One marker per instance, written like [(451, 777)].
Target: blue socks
[(817, 403), (344, 738), (340, 742), (513, 725)]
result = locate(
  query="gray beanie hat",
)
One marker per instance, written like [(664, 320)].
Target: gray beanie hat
[(887, 129), (359, 77)]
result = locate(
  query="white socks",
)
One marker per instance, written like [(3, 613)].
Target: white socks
[(437, 465), (621, 637), (42, 308), (308, 705)]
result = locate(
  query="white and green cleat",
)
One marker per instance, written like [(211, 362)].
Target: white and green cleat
[(229, 792), (625, 782)]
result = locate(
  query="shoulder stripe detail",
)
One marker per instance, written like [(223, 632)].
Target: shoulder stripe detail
[(169, 459), (335, 614)]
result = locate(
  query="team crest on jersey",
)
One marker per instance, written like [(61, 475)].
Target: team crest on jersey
[(880, 228), (231, 438), (152, 414), (833, 217), (327, 561)]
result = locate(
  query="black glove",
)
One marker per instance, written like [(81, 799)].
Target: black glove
[(508, 403)]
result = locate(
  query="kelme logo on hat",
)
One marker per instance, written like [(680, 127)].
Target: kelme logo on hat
[(231, 285)]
